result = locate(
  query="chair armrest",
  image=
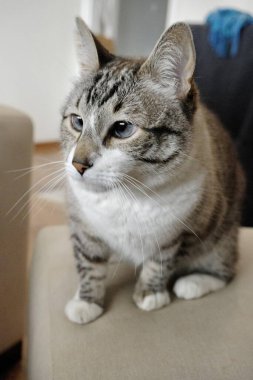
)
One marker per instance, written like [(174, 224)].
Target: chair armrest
[(16, 132)]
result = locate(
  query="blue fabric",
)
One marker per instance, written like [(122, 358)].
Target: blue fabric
[(225, 27)]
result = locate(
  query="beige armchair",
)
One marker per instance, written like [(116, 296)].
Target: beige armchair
[(205, 339), (15, 153)]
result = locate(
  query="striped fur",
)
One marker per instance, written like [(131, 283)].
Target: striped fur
[(166, 198)]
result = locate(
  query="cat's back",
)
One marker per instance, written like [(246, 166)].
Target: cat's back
[(225, 161)]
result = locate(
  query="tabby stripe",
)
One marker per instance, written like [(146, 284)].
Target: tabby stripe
[(79, 254), (158, 161), (95, 81), (87, 269), (87, 298), (77, 241), (83, 292), (156, 287), (82, 269), (117, 106), (79, 99), (82, 273), (97, 278), (111, 92), (159, 131), (97, 78), (93, 259), (73, 218), (98, 86), (171, 244)]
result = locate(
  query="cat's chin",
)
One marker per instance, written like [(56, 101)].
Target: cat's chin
[(91, 186), (96, 188)]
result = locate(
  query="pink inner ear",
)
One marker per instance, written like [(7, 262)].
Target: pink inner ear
[(189, 66), (173, 60)]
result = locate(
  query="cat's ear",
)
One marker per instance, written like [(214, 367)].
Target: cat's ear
[(91, 54), (172, 61)]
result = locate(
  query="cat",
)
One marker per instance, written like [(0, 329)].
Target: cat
[(152, 176)]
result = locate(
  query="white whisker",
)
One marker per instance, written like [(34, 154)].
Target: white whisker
[(179, 220), (153, 232), (137, 225), (31, 188), (118, 194), (51, 187), (30, 168), (42, 189)]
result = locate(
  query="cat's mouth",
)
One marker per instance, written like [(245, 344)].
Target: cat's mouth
[(107, 177), (93, 182), (98, 184)]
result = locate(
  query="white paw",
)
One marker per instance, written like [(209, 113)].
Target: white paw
[(196, 285), (151, 301), (80, 311)]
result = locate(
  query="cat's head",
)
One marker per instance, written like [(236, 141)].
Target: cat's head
[(130, 117)]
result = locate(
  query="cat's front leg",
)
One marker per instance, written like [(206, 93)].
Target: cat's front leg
[(87, 304), (151, 288)]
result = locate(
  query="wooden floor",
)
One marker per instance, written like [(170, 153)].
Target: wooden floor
[(47, 208)]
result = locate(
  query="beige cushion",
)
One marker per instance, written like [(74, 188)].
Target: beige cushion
[(208, 338), (15, 153)]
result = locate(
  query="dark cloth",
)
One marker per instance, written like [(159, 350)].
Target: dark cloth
[(226, 87)]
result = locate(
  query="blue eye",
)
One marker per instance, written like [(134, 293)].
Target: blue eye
[(122, 129), (76, 122)]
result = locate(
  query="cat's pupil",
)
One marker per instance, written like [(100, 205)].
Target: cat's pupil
[(122, 129), (77, 122)]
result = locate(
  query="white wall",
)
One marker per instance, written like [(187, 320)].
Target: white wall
[(101, 16), (195, 11), (37, 59), (141, 23)]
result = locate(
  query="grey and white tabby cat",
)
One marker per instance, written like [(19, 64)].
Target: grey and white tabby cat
[(152, 176)]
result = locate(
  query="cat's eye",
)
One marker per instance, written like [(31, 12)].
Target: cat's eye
[(122, 129), (76, 122)]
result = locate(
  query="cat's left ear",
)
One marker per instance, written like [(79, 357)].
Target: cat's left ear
[(91, 54), (172, 61)]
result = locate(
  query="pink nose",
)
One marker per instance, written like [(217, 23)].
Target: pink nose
[(80, 167)]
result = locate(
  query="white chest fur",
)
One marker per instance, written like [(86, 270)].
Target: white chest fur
[(137, 226)]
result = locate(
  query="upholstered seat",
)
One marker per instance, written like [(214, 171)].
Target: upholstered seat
[(208, 338), (16, 132)]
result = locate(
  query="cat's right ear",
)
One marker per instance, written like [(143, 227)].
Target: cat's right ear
[(91, 54)]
